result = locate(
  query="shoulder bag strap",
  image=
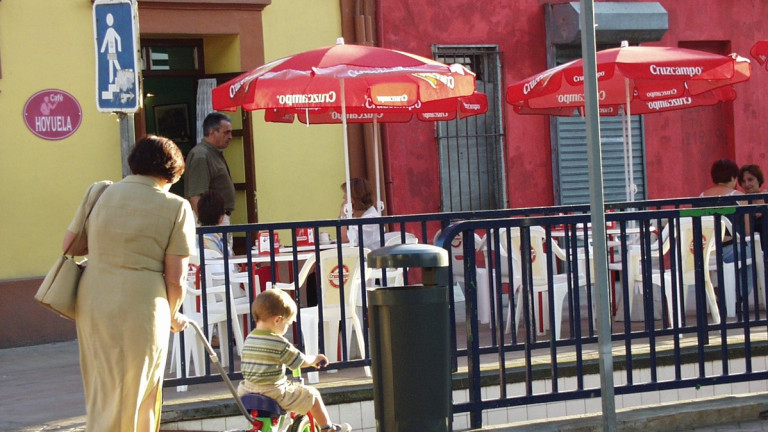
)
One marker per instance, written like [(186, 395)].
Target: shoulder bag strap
[(82, 228)]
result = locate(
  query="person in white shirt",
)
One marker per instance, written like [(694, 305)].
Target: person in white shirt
[(362, 207)]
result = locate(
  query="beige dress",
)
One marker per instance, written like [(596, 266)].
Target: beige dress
[(123, 317)]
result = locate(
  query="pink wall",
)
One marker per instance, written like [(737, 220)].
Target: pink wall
[(680, 146)]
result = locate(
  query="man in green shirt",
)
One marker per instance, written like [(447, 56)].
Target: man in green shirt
[(206, 167)]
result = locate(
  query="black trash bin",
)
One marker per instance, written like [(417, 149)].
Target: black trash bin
[(409, 342)]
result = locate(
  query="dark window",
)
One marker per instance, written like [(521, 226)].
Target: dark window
[(471, 149)]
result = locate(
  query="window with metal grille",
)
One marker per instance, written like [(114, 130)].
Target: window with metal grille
[(471, 149)]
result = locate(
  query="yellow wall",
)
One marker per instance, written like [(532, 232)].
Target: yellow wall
[(299, 169), (47, 45)]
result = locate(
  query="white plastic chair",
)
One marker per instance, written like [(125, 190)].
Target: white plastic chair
[(217, 315), (394, 276), (481, 273), (540, 274), (635, 273), (688, 270), (331, 301), (239, 301), (513, 278), (615, 264), (729, 270), (193, 352)]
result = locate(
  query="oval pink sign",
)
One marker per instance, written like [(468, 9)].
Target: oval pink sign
[(52, 114)]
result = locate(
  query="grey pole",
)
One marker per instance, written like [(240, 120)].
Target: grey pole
[(127, 139), (597, 208)]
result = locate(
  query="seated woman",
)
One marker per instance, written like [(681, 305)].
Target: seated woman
[(362, 207), (724, 173), (751, 181), (210, 212)]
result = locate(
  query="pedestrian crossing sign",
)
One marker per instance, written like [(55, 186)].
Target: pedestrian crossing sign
[(115, 26)]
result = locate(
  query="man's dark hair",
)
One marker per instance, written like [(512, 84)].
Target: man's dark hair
[(213, 121)]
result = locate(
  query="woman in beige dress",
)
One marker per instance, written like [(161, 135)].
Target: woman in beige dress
[(139, 238)]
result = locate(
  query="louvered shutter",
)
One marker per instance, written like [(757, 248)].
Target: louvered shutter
[(573, 178)]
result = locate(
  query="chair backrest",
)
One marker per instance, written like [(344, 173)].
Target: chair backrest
[(192, 303), (306, 268), (214, 280), (664, 241), (728, 229), (351, 274), (687, 242), (505, 253), (656, 242), (212, 269), (457, 251), (395, 238), (538, 253)]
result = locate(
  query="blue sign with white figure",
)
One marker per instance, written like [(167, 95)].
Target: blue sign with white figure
[(117, 67)]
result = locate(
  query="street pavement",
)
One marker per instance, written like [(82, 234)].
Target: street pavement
[(41, 390)]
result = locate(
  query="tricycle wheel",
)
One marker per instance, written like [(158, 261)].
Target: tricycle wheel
[(302, 424)]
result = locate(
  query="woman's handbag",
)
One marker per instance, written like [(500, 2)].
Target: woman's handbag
[(58, 292)]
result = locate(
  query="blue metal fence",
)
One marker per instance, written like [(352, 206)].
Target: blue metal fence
[(516, 293)]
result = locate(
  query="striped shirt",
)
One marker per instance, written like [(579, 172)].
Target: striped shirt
[(266, 355)]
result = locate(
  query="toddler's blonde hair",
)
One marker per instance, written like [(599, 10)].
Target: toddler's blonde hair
[(273, 302)]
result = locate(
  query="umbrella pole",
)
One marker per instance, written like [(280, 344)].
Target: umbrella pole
[(379, 202), (348, 206), (631, 183), (626, 155)]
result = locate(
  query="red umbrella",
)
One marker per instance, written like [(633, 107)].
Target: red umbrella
[(629, 72), (312, 79), (638, 106), (436, 110), (666, 78), (344, 77), (760, 52)]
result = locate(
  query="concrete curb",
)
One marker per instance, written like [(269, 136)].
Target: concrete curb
[(224, 405), (674, 416)]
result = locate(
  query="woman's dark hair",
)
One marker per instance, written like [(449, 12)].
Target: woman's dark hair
[(724, 170), (754, 170), (210, 208), (362, 196), (158, 157)]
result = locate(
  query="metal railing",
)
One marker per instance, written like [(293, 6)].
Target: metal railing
[(486, 355)]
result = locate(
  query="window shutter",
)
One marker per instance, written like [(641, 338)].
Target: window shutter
[(573, 179)]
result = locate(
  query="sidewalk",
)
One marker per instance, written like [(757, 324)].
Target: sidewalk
[(41, 390)]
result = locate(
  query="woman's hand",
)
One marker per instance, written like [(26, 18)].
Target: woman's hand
[(179, 322)]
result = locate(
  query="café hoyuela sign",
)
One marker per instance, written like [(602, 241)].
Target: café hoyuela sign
[(52, 114)]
